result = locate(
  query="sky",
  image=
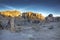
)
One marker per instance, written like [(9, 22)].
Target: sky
[(44, 7)]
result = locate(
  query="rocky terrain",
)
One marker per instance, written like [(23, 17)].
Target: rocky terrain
[(30, 26), (47, 31)]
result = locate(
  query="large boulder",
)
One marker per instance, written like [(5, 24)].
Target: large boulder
[(50, 18)]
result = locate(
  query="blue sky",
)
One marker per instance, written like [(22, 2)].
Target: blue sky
[(44, 7)]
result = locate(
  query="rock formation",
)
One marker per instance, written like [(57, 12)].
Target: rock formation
[(33, 16), (49, 18)]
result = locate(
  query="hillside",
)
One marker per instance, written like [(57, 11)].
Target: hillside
[(28, 26)]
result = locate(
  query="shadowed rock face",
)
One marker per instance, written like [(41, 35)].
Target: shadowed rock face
[(57, 19), (1, 26), (52, 19), (49, 18)]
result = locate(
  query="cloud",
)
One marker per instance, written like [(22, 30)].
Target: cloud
[(6, 7)]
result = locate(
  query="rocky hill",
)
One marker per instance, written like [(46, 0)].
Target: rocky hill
[(28, 26), (26, 18)]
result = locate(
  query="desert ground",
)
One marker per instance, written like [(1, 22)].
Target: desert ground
[(45, 31), (29, 28)]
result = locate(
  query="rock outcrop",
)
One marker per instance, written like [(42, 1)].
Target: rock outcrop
[(33, 16), (50, 18), (10, 13)]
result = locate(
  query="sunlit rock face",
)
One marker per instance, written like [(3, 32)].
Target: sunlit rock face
[(40, 16), (31, 15), (11, 13)]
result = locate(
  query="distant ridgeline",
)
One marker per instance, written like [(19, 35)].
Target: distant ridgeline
[(10, 13), (28, 15), (13, 17), (33, 16)]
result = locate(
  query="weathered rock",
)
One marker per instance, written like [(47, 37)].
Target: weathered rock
[(49, 18)]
